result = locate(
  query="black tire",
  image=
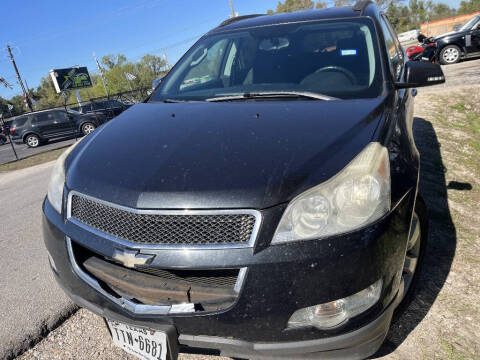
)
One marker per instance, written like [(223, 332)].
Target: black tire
[(409, 294), (450, 54), (32, 140), (88, 128)]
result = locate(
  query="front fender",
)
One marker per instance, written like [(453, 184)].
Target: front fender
[(441, 45)]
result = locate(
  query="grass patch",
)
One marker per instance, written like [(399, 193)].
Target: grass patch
[(473, 119), (451, 352), (476, 145), (32, 160), (460, 107)]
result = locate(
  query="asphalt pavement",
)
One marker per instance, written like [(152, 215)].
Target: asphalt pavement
[(7, 155), (31, 301)]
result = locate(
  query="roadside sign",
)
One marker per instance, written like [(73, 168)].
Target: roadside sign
[(70, 78)]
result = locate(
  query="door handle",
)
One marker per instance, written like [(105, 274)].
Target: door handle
[(414, 92)]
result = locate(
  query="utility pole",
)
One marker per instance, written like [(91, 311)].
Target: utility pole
[(102, 75), (233, 10), (27, 97), (167, 64)]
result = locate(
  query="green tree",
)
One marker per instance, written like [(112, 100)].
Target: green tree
[(441, 11), (342, 2), (400, 17), (468, 6), (296, 5), (18, 106), (112, 61)]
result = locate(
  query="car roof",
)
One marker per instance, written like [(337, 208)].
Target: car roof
[(32, 113), (297, 16)]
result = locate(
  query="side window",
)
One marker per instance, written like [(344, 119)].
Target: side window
[(60, 116), (20, 121), (100, 105), (43, 118), (395, 37), (394, 54)]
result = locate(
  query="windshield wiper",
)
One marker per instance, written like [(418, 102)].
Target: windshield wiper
[(273, 94), (171, 101)]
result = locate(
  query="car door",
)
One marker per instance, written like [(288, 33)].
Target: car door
[(42, 123), (62, 124), (472, 39)]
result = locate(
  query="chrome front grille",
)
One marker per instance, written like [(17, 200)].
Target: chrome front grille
[(171, 228)]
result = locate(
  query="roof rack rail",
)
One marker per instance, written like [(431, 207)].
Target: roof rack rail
[(238, 18), (361, 5)]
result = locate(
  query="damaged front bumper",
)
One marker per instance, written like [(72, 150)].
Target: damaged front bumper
[(276, 281)]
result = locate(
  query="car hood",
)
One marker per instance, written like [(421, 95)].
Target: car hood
[(451, 33), (253, 154)]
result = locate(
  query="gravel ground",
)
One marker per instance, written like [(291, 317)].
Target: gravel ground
[(443, 321), (85, 336)]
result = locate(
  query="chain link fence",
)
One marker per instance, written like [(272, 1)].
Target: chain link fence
[(36, 132)]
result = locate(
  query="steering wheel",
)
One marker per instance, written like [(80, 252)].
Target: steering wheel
[(334, 68)]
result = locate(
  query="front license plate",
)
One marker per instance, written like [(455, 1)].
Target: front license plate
[(143, 343)]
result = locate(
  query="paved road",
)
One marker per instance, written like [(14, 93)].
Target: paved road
[(465, 73), (31, 302), (7, 155)]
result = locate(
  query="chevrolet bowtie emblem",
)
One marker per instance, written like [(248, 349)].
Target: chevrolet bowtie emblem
[(130, 258)]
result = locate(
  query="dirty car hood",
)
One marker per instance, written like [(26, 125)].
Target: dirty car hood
[(220, 155)]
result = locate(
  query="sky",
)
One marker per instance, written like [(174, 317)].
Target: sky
[(52, 34)]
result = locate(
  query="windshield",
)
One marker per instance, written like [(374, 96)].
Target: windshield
[(334, 58), (470, 24)]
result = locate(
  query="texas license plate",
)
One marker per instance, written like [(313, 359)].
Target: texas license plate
[(145, 344)]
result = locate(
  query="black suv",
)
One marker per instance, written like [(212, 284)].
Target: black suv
[(108, 108), (268, 206), (463, 43), (36, 128)]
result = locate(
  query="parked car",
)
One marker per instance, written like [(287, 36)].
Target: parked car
[(109, 109), (463, 43), (37, 128), (408, 35), (271, 211), (4, 126)]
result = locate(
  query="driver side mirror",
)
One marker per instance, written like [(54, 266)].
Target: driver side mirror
[(418, 74)]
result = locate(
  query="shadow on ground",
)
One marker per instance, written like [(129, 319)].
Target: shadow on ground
[(442, 236)]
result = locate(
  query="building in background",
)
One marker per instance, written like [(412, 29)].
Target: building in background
[(438, 27)]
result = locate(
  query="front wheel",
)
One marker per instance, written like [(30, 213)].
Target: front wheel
[(416, 246), (88, 128), (32, 141), (450, 55)]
